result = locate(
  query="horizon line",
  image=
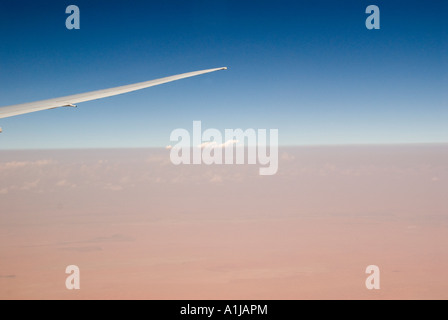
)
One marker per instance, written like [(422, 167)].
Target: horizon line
[(398, 144)]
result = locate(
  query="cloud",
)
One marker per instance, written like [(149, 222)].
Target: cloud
[(214, 144), (158, 158), (30, 185), (23, 164), (25, 186), (287, 157), (216, 178), (65, 184)]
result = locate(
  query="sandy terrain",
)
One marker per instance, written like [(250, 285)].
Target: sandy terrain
[(139, 227)]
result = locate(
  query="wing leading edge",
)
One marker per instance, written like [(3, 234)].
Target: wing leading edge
[(71, 101)]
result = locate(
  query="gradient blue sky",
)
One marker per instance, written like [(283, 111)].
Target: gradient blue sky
[(309, 68)]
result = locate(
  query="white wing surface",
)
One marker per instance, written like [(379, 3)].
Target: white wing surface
[(71, 101)]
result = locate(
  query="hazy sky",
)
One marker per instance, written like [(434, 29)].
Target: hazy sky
[(309, 68)]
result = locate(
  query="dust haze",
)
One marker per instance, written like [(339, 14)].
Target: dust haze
[(140, 227)]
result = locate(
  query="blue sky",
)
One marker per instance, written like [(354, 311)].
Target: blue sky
[(308, 68)]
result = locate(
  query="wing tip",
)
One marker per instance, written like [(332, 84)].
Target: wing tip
[(219, 69)]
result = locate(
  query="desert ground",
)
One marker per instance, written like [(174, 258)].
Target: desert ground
[(139, 227)]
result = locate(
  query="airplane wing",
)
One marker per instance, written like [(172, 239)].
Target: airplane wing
[(71, 101)]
